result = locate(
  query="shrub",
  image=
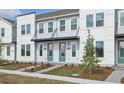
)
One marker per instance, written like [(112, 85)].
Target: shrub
[(66, 65)]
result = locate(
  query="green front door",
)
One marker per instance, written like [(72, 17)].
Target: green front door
[(121, 52), (50, 52), (62, 52)]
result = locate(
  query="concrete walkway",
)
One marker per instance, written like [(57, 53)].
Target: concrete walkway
[(48, 69), (62, 78), (116, 76)]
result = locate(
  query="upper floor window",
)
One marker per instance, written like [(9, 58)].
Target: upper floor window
[(28, 28), (89, 20), (40, 27), (74, 24), (122, 19), (99, 48), (50, 26), (2, 32), (62, 25), (8, 50), (22, 29), (99, 19)]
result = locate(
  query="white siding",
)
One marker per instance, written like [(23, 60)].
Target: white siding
[(56, 24), (104, 33), (25, 39)]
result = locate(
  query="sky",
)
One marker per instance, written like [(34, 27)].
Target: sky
[(12, 13)]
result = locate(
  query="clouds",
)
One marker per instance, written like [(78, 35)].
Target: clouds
[(10, 13)]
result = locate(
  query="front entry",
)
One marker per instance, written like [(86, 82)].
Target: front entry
[(50, 52), (121, 52), (62, 52)]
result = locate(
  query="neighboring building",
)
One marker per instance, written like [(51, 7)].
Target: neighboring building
[(7, 39), (58, 37)]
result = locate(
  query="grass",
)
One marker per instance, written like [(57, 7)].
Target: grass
[(69, 70), (16, 79), (15, 66)]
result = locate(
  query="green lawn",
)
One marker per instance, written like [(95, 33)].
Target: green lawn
[(63, 72), (16, 79)]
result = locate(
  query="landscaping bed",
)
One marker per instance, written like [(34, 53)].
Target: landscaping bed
[(15, 66), (38, 67), (77, 72), (122, 80), (16, 79)]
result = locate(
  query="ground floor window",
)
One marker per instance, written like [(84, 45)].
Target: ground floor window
[(73, 50), (99, 48), (22, 50), (25, 50), (8, 50), (41, 50), (28, 50)]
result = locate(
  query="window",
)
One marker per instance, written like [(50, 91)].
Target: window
[(0, 50), (99, 19), (22, 50), (50, 26), (74, 24), (40, 27), (28, 28), (23, 29), (62, 25), (41, 50), (2, 32), (99, 49), (89, 20), (121, 19), (8, 50), (73, 50), (27, 50)]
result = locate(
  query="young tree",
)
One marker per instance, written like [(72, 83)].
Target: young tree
[(90, 60)]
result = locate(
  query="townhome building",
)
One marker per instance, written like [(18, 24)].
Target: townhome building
[(58, 37), (7, 39)]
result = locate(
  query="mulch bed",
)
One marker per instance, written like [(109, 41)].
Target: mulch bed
[(102, 74), (37, 68), (122, 80)]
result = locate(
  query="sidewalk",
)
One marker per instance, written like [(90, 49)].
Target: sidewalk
[(115, 76), (48, 69), (62, 78)]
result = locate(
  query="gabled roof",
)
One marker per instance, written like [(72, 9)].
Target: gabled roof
[(8, 20), (57, 13)]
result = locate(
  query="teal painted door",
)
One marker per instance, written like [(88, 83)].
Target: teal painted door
[(50, 52), (62, 52), (121, 52)]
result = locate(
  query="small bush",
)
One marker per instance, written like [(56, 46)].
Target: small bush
[(72, 65), (66, 65)]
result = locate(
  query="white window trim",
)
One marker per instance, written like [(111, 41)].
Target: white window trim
[(119, 13), (65, 24), (71, 24), (48, 26)]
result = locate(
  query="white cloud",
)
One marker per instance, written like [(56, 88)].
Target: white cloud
[(10, 13)]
